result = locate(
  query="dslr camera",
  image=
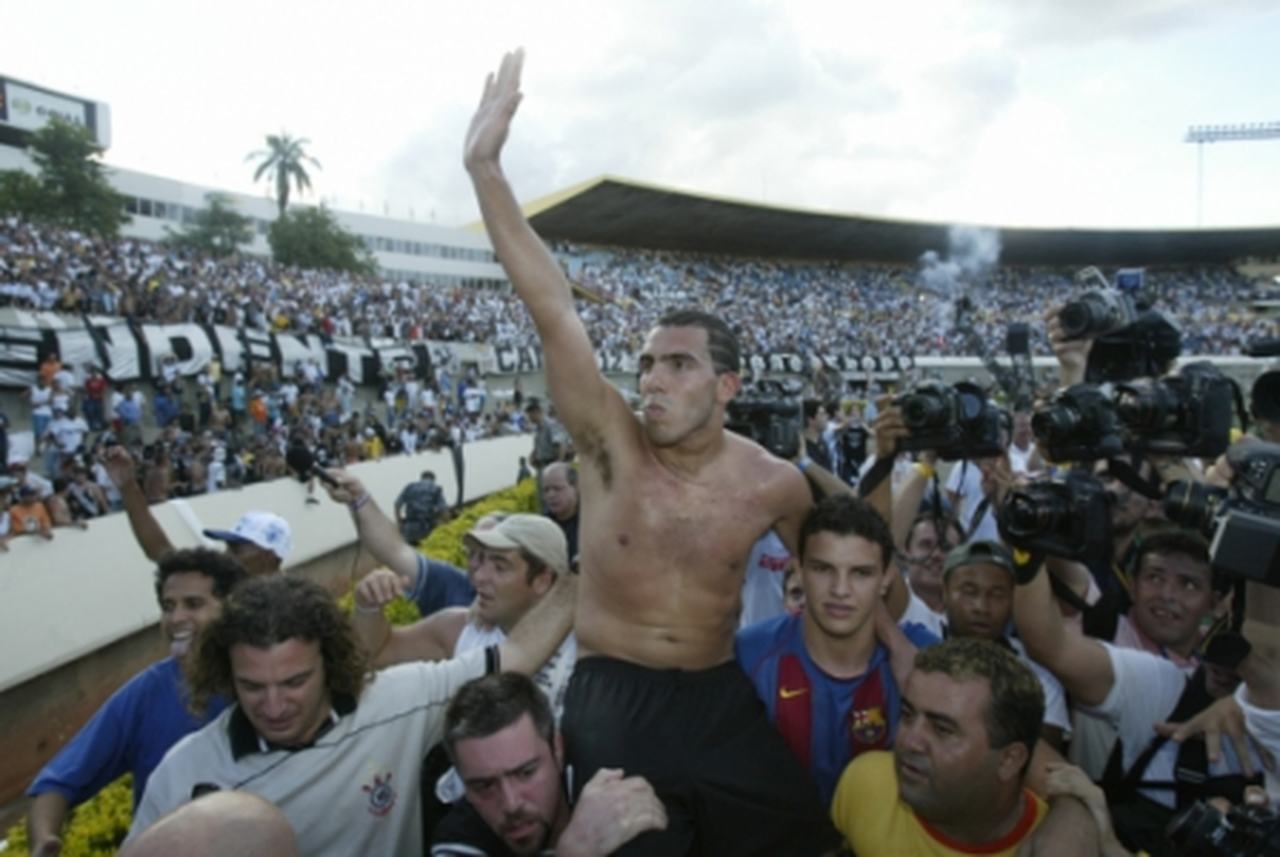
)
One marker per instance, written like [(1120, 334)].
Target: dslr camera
[(1204, 831), (1079, 424), (955, 421), (770, 414), (1069, 518), (1184, 414), (1096, 313), (1243, 521)]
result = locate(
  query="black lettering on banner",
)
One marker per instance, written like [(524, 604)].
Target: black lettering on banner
[(504, 358), (144, 350), (336, 364), (181, 348), (422, 365)]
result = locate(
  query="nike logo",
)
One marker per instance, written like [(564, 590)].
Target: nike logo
[(792, 694)]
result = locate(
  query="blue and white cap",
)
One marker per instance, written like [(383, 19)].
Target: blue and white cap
[(267, 530)]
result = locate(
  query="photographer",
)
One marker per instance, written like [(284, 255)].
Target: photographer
[(1149, 779)]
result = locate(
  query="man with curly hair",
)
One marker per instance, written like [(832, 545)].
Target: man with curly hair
[(312, 731), (133, 730)]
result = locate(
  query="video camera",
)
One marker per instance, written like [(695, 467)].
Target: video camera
[(771, 414), (1069, 518), (957, 421), (1242, 521)]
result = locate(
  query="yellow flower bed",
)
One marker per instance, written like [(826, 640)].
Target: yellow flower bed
[(97, 827)]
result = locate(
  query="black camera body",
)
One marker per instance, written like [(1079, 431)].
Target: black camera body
[(1079, 424), (1205, 831), (1069, 518), (957, 421), (1142, 349), (774, 423), (1242, 521), (1096, 313), (1184, 414)]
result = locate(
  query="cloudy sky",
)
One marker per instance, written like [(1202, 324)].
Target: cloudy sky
[(1008, 112)]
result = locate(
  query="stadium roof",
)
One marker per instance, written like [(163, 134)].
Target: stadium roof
[(620, 212)]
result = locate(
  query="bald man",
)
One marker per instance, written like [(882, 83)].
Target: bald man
[(220, 824)]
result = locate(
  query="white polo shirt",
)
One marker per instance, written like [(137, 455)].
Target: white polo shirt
[(355, 790)]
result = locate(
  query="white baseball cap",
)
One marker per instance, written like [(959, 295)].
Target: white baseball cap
[(267, 530), (539, 535)]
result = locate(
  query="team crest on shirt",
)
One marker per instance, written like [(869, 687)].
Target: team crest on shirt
[(867, 725), (382, 797)]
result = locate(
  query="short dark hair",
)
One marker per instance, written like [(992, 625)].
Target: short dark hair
[(428, 474), (1164, 538), (942, 524), (846, 515), (485, 706), (265, 611), (1016, 709), (722, 344), (224, 569)]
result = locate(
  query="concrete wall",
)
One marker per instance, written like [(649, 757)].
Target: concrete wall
[(62, 599)]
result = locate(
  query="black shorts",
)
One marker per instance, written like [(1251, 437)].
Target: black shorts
[(702, 740)]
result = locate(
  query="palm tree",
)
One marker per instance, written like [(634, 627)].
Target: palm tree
[(282, 161)]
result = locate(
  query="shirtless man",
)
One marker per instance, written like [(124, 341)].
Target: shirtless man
[(671, 505)]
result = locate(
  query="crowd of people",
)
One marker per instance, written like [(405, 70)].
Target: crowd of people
[(773, 306), (195, 436), (912, 679)]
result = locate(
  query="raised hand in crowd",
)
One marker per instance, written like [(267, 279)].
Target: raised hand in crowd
[(1072, 354)]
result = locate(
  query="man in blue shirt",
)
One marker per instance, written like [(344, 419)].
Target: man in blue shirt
[(827, 676), (133, 730)]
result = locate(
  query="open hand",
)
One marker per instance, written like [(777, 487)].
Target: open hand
[(492, 119)]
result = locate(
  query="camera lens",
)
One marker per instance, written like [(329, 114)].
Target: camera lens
[(1054, 423), (1147, 407), (922, 410), (1076, 319), (1027, 515)]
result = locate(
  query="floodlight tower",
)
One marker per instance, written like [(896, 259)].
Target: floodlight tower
[(1201, 134)]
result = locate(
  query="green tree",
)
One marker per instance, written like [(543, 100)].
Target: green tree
[(313, 238), (217, 230), (70, 188), (282, 162), (19, 192)]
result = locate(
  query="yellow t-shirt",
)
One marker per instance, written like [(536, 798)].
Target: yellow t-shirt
[(876, 823)]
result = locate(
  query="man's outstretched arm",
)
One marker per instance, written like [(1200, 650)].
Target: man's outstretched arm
[(146, 529), (576, 386), (376, 531), (1081, 663)]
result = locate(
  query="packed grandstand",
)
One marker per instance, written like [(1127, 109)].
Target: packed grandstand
[(775, 305)]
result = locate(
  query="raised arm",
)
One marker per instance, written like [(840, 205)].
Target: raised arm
[(1079, 662), (580, 393), (375, 530), (146, 530)]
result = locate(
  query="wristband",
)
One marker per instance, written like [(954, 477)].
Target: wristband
[(804, 463), (357, 504), (925, 469), (368, 611)]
